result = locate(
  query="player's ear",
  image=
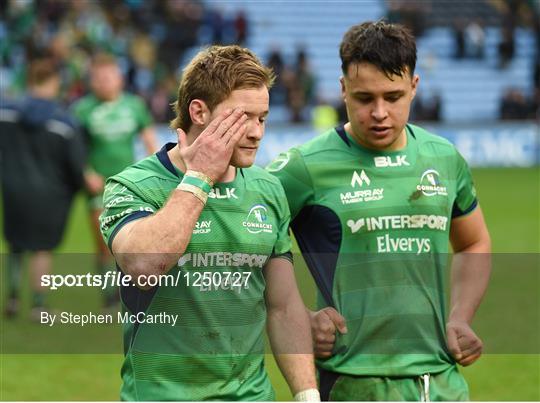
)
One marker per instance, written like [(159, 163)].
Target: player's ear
[(414, 84), (342, 84), (199, 112)]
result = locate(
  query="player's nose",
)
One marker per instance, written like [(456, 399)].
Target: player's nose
[(255, 130), (379, 111)]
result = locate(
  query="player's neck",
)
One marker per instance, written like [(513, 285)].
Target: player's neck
[(109, 98), (228, 176), (46, 91)]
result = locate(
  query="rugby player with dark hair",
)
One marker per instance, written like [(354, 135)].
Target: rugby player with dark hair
[(374, 204)]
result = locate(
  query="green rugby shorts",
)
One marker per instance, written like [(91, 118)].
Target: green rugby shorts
[(448, 385)]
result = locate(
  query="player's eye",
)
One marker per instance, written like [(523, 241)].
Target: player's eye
[(262, 119), (393, 97), (364, 100)]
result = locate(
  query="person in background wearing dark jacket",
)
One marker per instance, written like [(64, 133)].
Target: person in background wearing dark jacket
[(41, 168)]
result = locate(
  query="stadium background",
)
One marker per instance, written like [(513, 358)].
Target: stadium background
[(479, 70)]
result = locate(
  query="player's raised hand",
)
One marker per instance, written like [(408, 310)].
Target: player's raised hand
[(211, 152), (464, 345), (324, 325)]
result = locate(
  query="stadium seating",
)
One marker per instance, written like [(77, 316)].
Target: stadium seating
[(470, 89)]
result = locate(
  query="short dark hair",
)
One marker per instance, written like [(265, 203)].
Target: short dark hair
[(389, 47)]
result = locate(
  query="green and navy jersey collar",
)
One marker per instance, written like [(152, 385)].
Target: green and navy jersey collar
[(350, 142)]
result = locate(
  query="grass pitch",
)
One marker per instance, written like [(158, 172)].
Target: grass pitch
[(508, 320)]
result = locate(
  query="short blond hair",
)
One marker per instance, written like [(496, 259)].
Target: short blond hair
[(213, 74)]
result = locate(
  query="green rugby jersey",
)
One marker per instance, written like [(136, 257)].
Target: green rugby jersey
[(374, 230), (111, 129), (216, 349)]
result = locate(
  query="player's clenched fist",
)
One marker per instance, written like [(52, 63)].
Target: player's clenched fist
[(464, 345), (324, 325), (211, 151)]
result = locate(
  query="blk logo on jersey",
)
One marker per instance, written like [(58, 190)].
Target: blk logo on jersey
[(359, 196), (256, 221), (227, 193), (383, 162), (430, 184)]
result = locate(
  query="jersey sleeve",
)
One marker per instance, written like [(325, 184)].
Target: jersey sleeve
[(465, 201), (290, 169), (122, 204), (283, 245)]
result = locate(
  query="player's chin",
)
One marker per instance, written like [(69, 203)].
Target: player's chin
[(382, 142), (243, 158)]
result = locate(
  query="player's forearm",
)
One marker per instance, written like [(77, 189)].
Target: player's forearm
[(153, 245), (471, 269), (290, 337), (298, 370)]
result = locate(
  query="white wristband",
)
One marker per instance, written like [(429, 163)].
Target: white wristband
[(308, 395)]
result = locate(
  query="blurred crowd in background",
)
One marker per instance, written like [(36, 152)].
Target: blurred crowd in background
[(470, 43), (148, 38), (151, 38)]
